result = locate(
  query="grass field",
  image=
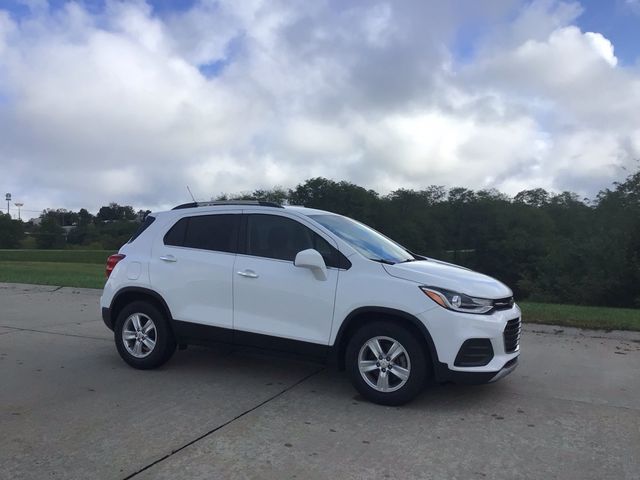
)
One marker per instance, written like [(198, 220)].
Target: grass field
[(71, 274), (67, 268), (85, 268)]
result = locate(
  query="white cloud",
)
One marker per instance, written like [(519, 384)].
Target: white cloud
[(603, 46), (585, 103), (113, 106)]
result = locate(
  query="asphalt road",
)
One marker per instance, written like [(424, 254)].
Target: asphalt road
[(70, 408)]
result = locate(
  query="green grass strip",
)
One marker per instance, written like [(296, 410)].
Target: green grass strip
[(86, 275), (599, 318)]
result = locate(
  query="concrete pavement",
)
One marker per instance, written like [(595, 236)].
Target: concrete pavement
[(70, 408)]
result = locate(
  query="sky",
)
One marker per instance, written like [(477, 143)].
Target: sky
[(130, 102)]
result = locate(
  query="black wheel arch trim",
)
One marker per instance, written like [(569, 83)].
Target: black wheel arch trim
[(107, 313), (336, 357)]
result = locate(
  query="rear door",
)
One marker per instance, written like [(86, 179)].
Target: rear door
[(192, 265), (271, 295)]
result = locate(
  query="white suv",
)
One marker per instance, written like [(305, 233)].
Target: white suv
[(310, 282)]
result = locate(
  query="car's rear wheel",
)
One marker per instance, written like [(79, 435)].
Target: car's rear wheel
[(143, 337), (386, 363)]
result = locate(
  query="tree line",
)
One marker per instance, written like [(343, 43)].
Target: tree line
[(551, 247), (58, 228)]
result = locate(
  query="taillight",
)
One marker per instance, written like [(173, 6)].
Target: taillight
[(112, 261)]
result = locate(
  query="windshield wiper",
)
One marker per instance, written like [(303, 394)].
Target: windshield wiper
[(409, 260), (382, 260)]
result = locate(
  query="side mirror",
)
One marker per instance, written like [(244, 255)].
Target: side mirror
[(312, 260)]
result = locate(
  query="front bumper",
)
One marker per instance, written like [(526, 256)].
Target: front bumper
[(450, 330), (445, 375), (506, 370)]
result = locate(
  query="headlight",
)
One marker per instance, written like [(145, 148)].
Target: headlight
[(458, 302)]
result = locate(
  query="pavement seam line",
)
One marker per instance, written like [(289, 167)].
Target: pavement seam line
[(53, 333), (16, 294), (228, 422), (31, 292)]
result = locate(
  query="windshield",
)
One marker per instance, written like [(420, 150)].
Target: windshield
[(365, 240)]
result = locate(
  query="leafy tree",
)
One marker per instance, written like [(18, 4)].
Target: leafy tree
[(340, 197), (461, 195), (537, 197), (50, 234), (115, 234), (84, 218), (114, 212), (61, 216), (11, 231)]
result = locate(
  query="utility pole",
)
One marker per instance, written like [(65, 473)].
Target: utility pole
[(19, 205), (7, 197)]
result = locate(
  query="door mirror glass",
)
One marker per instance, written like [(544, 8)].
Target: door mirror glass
[(312, 260)]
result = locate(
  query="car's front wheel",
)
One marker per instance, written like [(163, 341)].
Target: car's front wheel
[(143, 337), (386, 363)]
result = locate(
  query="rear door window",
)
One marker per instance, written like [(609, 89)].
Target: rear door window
[(206, 232)]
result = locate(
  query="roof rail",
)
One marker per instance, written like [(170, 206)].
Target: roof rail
[(253, 203)]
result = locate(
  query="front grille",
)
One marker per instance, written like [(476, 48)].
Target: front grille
[(503, 303), (512, 335), (475, 352)]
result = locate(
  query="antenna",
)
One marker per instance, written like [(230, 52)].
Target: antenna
[(192, 197)]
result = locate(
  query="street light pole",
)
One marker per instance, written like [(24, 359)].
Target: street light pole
[(19, 205), (7, 197)]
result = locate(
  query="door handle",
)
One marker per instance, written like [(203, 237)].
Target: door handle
[(168, 258), (248, 274)]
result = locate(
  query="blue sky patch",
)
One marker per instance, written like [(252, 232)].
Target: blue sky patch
[(618, 21)]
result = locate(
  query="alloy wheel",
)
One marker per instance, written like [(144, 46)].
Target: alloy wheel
[(384, 364), (139, 335)]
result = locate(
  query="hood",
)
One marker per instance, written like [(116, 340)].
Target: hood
[(433, 273)]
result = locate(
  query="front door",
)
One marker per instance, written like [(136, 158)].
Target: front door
[(271, 295)]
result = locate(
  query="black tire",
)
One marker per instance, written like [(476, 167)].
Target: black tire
[(414, 356), (165, 344)]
